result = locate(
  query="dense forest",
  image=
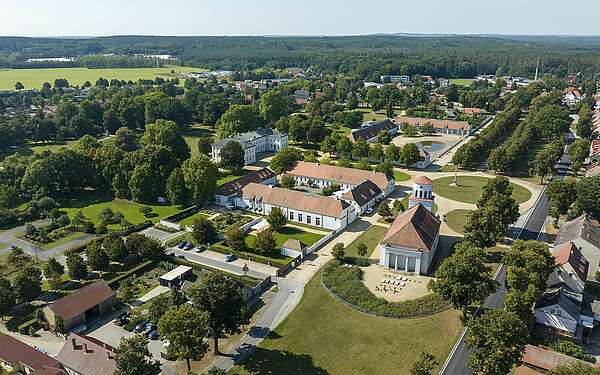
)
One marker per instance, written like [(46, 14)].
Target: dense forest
[(365, 56)]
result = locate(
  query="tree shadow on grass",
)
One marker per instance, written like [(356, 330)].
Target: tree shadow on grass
[(267, 361)]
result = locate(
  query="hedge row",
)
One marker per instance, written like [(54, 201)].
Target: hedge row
[(114, 282), (346, 284), (275, 262)]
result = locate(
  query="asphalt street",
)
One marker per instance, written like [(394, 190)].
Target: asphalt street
[(457, 364)]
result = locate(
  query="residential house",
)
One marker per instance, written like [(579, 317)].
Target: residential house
[(443, 82), (370, 130), (301, 97), (226, 193), (321, 175), (571, 96), (74, 309), (559, 311), (84, 355), (253, 143), (410, 243), (317, 211), (571, 268), (362, 196), (536, 360), (472, 111), (448, 127), (20, 358), (395, 79), (584, 233)]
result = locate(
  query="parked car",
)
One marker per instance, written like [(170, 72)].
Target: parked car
[(368, 210), (230, 257), (140, 327), (189, 246), (181, 256), (153, 335), (121, 321), (171, 254), (181, 245), (79, 329)]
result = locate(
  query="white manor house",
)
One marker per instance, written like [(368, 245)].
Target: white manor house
[(254, 143)]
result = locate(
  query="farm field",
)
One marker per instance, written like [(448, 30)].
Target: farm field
[(34, 78), (462, 81), (469, 189), (92, 203), (323, 336)]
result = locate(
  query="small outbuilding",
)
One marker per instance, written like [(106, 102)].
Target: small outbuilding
[(175, 277), (76, 308), (293, 248)]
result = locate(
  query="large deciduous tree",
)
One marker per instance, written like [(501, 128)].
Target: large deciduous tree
[(238, 119), (232, 156), (463, 278), (220, 298), (200, 175), (134, 358)]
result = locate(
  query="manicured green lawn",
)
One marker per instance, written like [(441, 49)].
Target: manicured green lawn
[(456, 220), (37, 148), (91, 204), (285, 233), (34, 78), (65, 239), (400, 176), (370, 238), (323, 336), (192, 134), (469, 189), (462, 81), (369, 115), (190, 219)]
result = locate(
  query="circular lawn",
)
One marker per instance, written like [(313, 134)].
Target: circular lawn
[(456, 219), (469, 189)]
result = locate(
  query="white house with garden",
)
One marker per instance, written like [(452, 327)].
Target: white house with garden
[(253, 143)]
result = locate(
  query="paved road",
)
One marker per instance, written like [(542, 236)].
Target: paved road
[(457, 363)]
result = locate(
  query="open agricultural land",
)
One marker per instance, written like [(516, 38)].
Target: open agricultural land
[(34, 78)]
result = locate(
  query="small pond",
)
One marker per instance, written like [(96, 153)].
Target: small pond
[(432, 146)]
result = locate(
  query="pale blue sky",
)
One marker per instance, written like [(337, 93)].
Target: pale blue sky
[(299, 17)]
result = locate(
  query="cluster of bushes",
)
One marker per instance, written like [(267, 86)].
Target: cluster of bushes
[(229, 219), (572, 349), (33, 210), (346, 283), (329, 190)]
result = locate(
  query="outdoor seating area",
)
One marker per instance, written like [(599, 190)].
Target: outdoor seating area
[(393, 286)]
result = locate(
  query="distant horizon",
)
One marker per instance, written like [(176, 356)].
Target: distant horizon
[(408, 34), (72, 18)]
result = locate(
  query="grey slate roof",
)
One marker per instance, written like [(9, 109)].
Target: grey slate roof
[(584, 227), (372, 130), (564, 297), (363, 193)]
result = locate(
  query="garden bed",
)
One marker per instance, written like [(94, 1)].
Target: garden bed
[(346, 284)]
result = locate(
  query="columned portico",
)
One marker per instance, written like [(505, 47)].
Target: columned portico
[(401, 260)]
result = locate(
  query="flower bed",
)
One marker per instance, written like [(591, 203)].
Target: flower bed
[(346, 284)]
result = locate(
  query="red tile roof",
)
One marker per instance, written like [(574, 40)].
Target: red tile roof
[(46, 370), (87, 356), (439, 124), (415, 229), (423, 180), (544, 359), (82, 300), (349, 176), (569, 253), (14, 351)]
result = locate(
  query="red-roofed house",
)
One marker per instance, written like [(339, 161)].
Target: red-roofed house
[(411, 242), (571, 96), (17, 356), (536, 360), (571, 268), (83, 355)]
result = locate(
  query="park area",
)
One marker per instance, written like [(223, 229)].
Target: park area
[(92, 203), (469, 189), (34, 78), (324, 336)]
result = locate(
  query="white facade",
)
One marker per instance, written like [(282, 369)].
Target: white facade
[(407, 260), (302, 217), (321, 183), (422, 194), (254, 143)]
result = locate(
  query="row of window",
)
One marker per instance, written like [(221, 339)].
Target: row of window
[(308, 219)]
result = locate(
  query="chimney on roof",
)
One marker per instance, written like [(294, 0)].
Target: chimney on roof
[(85, 349), (108, 355), (74, 344)]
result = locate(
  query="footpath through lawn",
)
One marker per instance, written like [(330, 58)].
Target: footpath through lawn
[(323, 336)]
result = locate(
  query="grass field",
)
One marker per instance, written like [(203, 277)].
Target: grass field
[(323, 336), (65, 239), (34, 78), (400, 176), (285, 233), (469, 189), (456, 220), (370, 238), (462, 81), (192, 134), (190, 219), (92, 203)]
